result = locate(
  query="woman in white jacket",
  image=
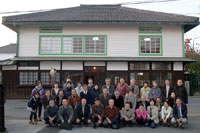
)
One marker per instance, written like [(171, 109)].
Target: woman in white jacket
[(166, 114)]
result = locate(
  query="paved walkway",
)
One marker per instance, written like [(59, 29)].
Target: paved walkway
[(17, 122)]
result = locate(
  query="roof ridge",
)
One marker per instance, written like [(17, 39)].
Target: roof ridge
[(100, 5)]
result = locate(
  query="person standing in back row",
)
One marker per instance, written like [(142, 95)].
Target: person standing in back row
[(155, 91), (122, 87), (134, 88), (166, 90), (181, 91), (110, 88)]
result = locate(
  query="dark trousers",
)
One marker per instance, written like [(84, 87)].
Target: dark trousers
[(114, 125), (33, 114), (47, 120), (83, 121), (152, 124), (141, 121), (39, 109), (94, 120), (124, 122)]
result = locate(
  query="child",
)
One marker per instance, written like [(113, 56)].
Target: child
[(32, 107)]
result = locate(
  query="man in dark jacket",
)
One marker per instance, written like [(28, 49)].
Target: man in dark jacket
[(118, 100), (82, 113), (86, 94), (181, 92), (104, 97), (179, 114), (51, 113), (166, 90), (110, 88), (47, 97), (97, 112), (65, 114), (143, 102)]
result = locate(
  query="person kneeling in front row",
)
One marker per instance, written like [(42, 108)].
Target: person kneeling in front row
[(111, 116), (141, 115), (152, 114), (127, 115), (97, 113), (51, 114), (179, 114), (65, 114), (82, 113)]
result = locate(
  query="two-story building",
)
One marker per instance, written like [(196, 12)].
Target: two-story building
[(96, 41)]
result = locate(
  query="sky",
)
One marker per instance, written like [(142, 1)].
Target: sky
[(184, 7)]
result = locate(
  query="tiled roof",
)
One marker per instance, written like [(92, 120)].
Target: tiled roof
[(100, 14)]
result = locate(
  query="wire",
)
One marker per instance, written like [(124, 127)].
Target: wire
[(147, 2), (125, 3)]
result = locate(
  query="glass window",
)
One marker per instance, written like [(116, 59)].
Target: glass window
[(150, 30), (46, 79), (139, 66), (161, 66), (28, 78), (94, 69), (95, 45), (72, 45), (51, 29), (150, 45), (160, 77), (115, 76), (140, 77), (50, 45), (28, 63), (75, 76)]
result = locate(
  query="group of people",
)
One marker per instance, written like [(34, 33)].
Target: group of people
[(110, 106)]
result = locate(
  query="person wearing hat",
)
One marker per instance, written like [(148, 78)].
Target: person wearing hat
[(97, 112)]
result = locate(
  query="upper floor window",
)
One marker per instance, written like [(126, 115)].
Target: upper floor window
[(52, 29), (82, 45), (150, 30), (150, 45)]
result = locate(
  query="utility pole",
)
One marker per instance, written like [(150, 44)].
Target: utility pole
[(2, 117)]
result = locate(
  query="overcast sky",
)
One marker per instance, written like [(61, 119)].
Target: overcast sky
[(185, 7)]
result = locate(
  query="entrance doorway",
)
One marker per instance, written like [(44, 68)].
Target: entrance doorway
[(97, 73)]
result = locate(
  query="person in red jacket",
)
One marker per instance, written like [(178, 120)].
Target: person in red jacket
[(111, 115), (122, 87)]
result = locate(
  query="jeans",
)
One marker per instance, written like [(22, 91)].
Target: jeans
[(152, 124)]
